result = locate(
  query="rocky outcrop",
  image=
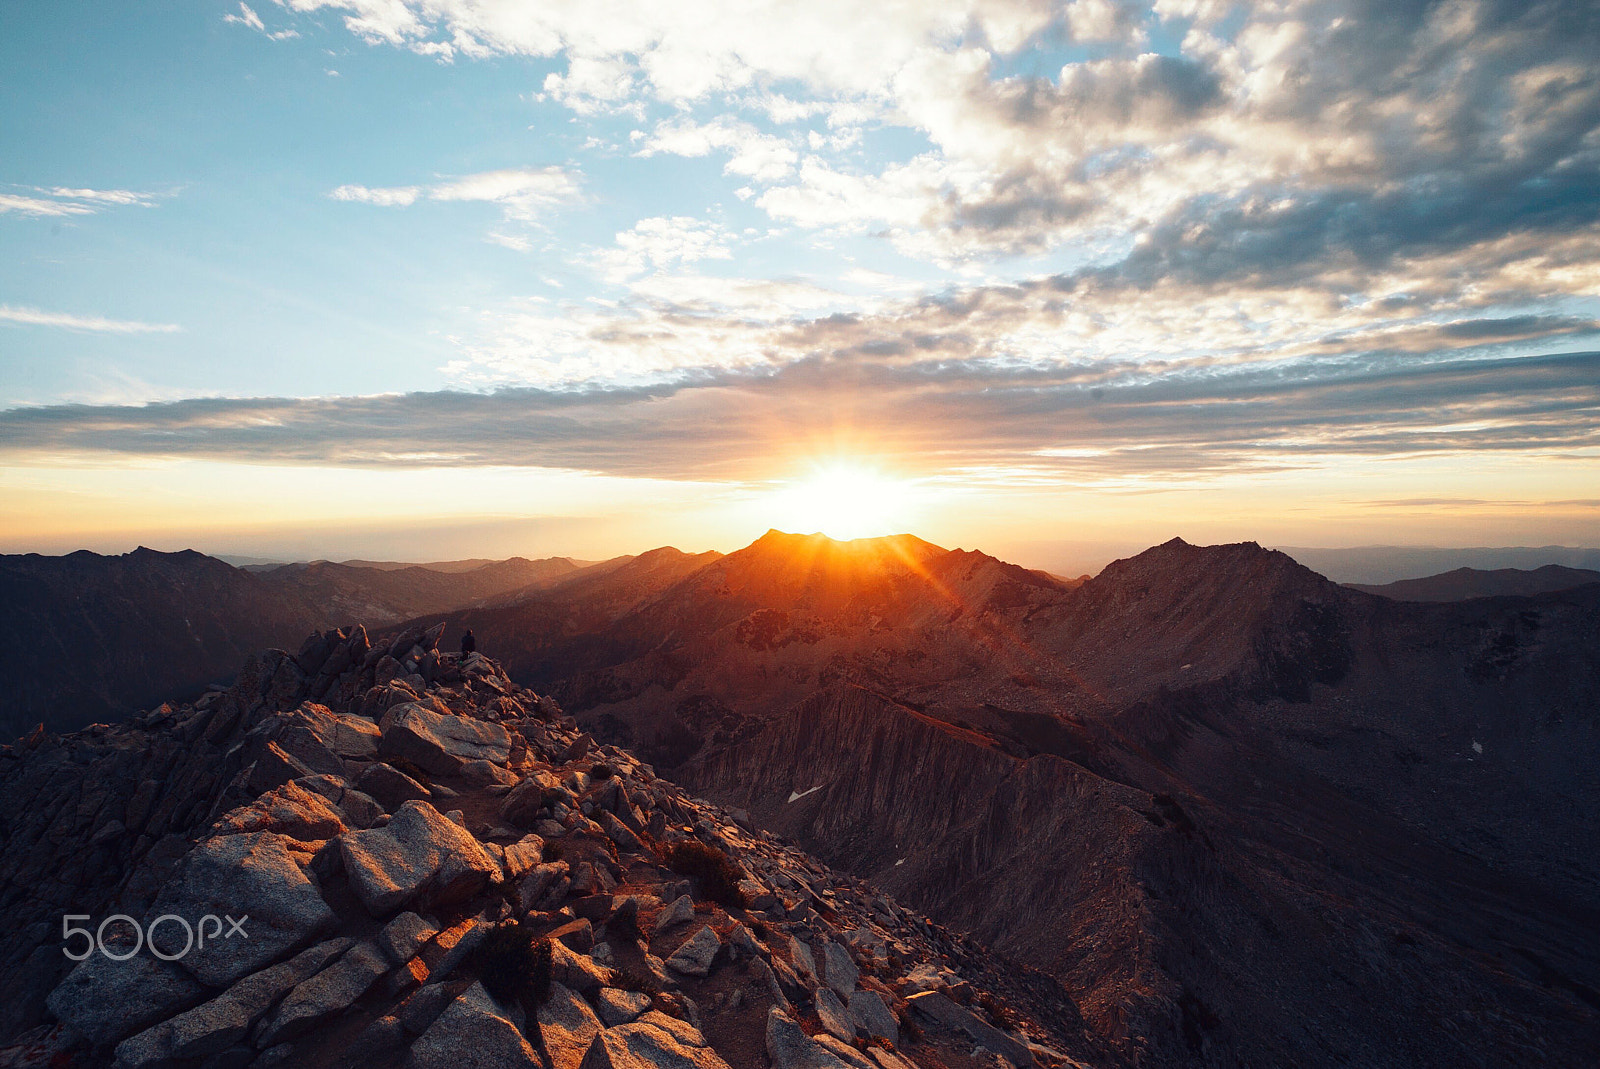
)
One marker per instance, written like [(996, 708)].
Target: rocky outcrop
[(574, 944)]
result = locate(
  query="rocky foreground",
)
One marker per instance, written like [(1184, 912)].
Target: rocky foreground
[(430, 866)]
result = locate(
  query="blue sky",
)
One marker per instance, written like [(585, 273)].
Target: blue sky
[(1321, 273)]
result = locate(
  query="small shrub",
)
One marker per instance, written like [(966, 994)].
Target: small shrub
[(514, 967), (630, 979), (716, 872), (551, 851), (910, 1031), (600, 772), (758, 927)]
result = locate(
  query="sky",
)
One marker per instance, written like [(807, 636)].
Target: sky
[(420, 279)]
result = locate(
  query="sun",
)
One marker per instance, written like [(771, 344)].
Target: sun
[(843, 500)]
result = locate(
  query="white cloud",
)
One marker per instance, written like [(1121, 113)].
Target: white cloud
[(524, 194), (657, 242), (60, 201), (247, 17), (752, 153), (34, 317)]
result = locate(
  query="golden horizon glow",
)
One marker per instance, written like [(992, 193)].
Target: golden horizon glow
[(844, 500)]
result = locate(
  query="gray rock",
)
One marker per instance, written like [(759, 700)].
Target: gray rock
[(834, 1017), (568, 1026), (328, 992), (254, 876), (620, 833), (104, 1000), (938, 1010), (791, 1048), (841, 972), (418, 852), (402, 937), (213, 1027), (577, 971), (390, 787), (474, 1032), (442, 744), (452, 946), (742, 943), (888, 1060), (693, 957), (521, 857), (423, 1006), (922, 978), (844, 1052), (873, 1016), (289, 810), (482, 773), (679, 911), (804, 962), (537, 881), (620, 1007), (655, 1041)]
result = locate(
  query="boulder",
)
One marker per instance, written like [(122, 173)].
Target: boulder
[(840, 971), (522, 856), (650, 1043), (290, 810), (568, 1026), (804, 962), (418, 852), (844, 1052), (694, 956), (679, 911), (224, 1021), (939, 1011), (923, 978), (620, 1007), (521, 806), (473, 1032), (536, 881), (104, 1000), (251, 875), (402, 937), (440, 743), (577, 971), (873, 1016), (390, 787), (791, 1048), (834, 1017), (328, 992)]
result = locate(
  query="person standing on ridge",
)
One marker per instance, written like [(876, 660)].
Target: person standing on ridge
[(469, 644)]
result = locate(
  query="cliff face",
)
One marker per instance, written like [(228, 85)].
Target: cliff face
[(1186, 933)]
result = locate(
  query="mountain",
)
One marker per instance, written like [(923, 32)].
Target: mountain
[(1388, 564), (1464, 583), (1206, 808), (102, 636), (1187, 788), (386, 595), (569, 909)]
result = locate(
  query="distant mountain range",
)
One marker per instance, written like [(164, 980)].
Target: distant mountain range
[(1464, 583), (103, 636), (1389, 564)]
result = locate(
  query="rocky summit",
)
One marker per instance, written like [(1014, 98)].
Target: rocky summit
[(372, 853)]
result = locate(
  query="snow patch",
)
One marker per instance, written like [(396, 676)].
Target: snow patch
[(797, 795)]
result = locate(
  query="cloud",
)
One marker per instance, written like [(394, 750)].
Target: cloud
[(61, 201), (33, 317), (247, 17), (524, 194), (1080, 423), (657, 242), (752, 153)]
